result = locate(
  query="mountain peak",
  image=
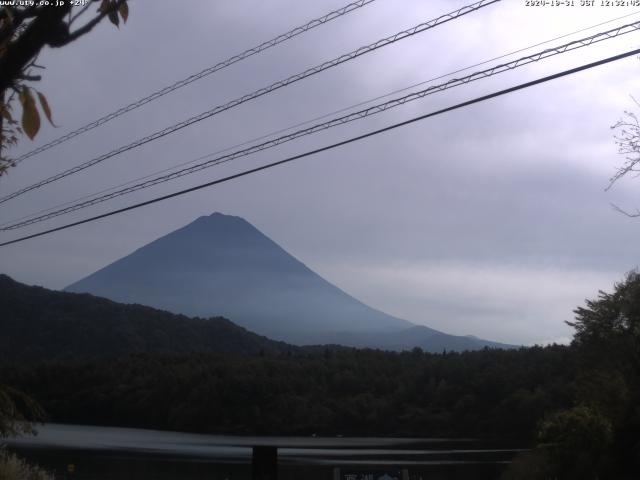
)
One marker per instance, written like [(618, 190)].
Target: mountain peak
[(219, 216), (221, 265)]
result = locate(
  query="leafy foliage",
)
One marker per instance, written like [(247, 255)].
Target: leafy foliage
[(599, 437), (17, 411), (611, 324), (14, 468), (24, 30), (576, 440), (30, 115)]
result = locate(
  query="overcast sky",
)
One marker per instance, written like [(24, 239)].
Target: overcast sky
[(491, 220)]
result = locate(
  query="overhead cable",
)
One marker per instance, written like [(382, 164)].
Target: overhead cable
[(197, 76), (307, 122), (379, 108), (330, 147), (258, 93)]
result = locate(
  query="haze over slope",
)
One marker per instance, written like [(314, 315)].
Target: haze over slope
[(222, 265)]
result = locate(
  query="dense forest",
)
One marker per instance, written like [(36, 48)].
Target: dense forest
[(578, 405), (351, 392)]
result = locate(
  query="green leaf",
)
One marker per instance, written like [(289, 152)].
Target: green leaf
[(30, 115), (45, 108), (124, 11)]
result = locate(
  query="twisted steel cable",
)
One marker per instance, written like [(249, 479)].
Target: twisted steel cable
[(197, 76), (307, 122), (373, 110), (331, 146), (258, 93)]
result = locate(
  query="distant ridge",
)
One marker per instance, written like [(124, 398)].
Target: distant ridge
[(221, 265), (41, 324)]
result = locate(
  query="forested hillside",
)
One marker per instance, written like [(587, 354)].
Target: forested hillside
[(490, 393), (579, 405), (37, 323)]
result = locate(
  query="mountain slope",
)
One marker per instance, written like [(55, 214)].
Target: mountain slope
[(37, 323), (222, 265), (426, 338)]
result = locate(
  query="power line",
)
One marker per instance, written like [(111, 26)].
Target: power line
[(197, 76), (263, 91), (334, 145), (382, 107), (306, 122)]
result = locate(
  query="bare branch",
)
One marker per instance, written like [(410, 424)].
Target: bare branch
[(635, 214), (628, 141), (45, 28), (31, 78)]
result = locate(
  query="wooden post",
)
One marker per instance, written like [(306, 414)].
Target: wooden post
[(264, 464)]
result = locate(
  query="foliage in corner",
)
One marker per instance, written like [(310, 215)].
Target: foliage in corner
[(577, 441), (598, 437), (17, 412), (14, 468), (24, 31), (608, 328)]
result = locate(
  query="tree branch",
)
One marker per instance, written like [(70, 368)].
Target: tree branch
[(86, 28), (636, 214), (41, 31), (31, 78)]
